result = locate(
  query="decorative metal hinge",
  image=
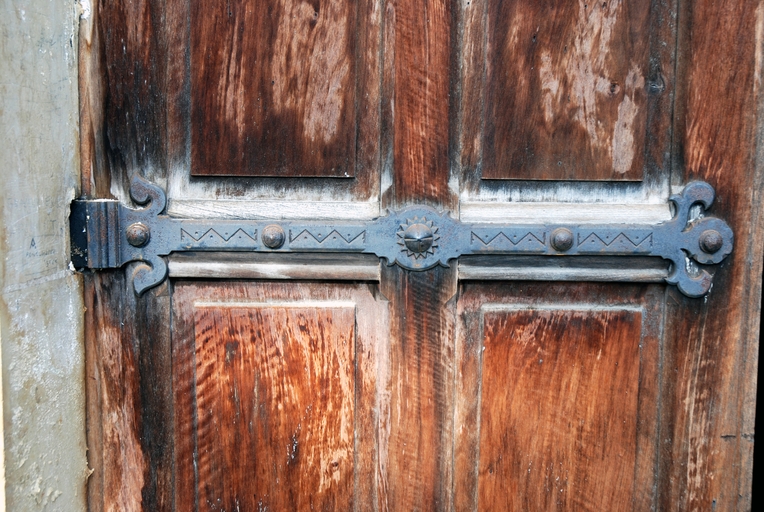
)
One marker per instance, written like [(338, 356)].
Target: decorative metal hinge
[(107, 234)]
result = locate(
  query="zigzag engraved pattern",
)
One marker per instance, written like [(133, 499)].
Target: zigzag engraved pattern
[(320, 237), (620, 240), (514, 239), (213, 236)]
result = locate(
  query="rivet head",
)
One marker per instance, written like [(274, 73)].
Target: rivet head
[(273, 236), (711, 241), (562, 239), (418, 238), (138, 234)]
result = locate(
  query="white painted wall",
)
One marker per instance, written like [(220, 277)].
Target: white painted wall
[(41, 341)]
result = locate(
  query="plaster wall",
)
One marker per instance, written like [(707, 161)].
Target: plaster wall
[(41, 341)]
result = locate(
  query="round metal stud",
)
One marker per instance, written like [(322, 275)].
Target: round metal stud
[(562, 239), (418, 238), (711, 241), (273, 236), (138, 234)]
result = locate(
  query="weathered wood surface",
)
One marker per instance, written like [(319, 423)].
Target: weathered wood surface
[(277, 398), (419, 46), (557, 390), (273, 88), (138, 102), (711, 345), (343, 267), (129, 410), (418, 43), (424, 74), (564, 89)]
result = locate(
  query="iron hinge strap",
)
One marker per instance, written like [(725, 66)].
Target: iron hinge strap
[(108, 234)]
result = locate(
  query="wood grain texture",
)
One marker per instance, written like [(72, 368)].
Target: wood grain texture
[(129, 411), (93, 168), (137, 71), (566, 89), (273, 86), (419, 43), (277, 404), (419, 56), (275, 395), (419, 471), (557, 409), (577, 105), (556, 389), (335, 267), (113, 416), (134, 67), (712, 345)]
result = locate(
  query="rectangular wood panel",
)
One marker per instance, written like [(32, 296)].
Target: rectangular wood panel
[(275, 389), (567, 88), (558, 409), (273, 88), (556, 403), (268, 382)]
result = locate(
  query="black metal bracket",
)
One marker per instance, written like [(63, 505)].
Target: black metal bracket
[(108, 234)]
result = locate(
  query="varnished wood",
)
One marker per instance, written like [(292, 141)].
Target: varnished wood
[(433, 82), (578, 102), (557, 409), (130, 435), (419, 470), (566, 90), (135, 95), (277, 404), (418, 108), (556, 390)]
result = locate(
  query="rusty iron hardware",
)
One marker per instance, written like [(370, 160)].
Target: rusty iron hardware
[(107, 234)]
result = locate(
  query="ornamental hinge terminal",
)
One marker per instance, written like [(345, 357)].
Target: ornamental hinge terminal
[(107, 234)]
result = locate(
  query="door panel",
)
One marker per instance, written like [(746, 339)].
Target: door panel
[(634, 396), (580, 99), (557, 392), (276, 395), (273, 88)]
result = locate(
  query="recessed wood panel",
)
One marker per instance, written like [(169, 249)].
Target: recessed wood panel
[(274, 394), (558, 409), (276, 401), (273, 88), (566, 89), (556, 397)]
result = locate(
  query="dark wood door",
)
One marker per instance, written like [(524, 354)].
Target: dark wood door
[(251, 381)]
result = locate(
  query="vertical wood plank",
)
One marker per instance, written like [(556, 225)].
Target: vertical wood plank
[(419, 469), (712, 345), (421, 47), (472, 85), (134, 76), (419, 52), (130, 435)]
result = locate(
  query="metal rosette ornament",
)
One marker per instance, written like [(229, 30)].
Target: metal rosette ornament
[(418, 232)]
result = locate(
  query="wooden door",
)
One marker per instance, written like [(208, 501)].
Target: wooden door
[(274, 381)]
